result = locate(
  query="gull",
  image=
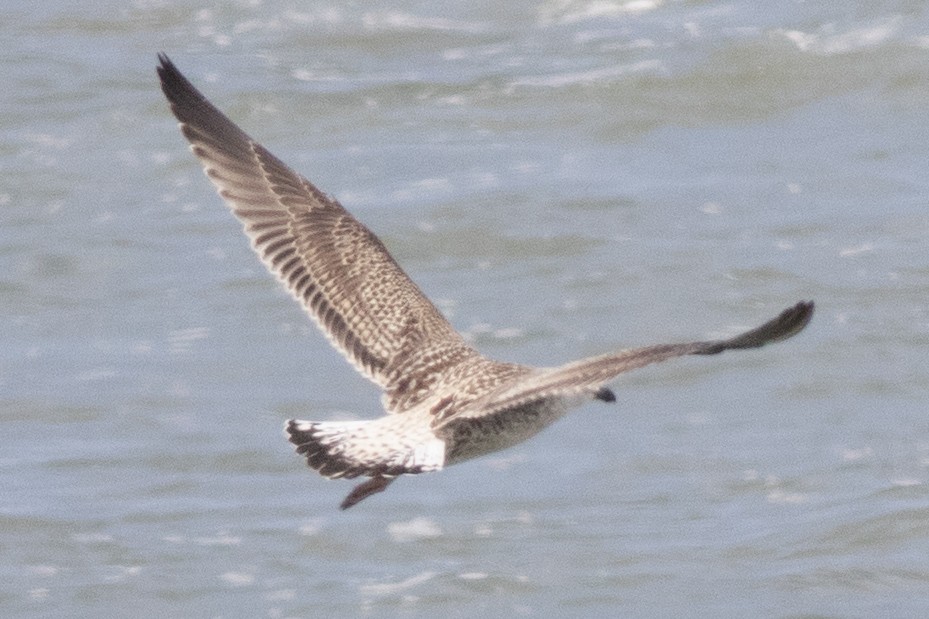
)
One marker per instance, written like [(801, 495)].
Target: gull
[(445, 402)]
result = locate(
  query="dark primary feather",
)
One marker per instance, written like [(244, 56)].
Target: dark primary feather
[(788, 323)]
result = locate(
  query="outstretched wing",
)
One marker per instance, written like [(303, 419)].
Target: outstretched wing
[(588, 377), (342, 274)]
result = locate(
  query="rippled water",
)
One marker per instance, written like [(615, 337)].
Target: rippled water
[(564, 178)]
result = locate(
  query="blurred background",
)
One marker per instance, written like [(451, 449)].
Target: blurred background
[(564, 178)]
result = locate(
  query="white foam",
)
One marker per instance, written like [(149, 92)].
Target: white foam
[(43, 570), (864, 248), (417, 528), (508, 333), (180, 340), (560, 80), (711, 208), (573, 12), (827, 41), (237, 579), (281, 595), (405, 21), (777, 494), (505, 462), (219, 540), (311, 527), (854, 455), (123, 573), (396, 587), (791, 498)]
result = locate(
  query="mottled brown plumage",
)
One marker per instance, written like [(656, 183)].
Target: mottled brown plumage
[(446, 402)]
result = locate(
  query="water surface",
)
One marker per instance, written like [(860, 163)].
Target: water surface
[(563, 178)]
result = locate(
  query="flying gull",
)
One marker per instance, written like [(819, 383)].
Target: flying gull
[(445, 402)]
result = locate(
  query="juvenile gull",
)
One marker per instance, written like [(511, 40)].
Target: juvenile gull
[(445, 402)]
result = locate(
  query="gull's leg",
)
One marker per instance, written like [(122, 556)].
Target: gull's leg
[(363, 491)]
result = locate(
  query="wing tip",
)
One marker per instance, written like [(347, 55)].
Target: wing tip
[(179, 90), (794, 319), (788, 323), (166, 70)]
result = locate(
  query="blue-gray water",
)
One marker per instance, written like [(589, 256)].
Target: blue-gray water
[(564, 178)]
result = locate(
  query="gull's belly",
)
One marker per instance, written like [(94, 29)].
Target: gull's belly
[(472, 437)]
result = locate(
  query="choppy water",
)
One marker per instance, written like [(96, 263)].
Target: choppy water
[(565, 178)]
